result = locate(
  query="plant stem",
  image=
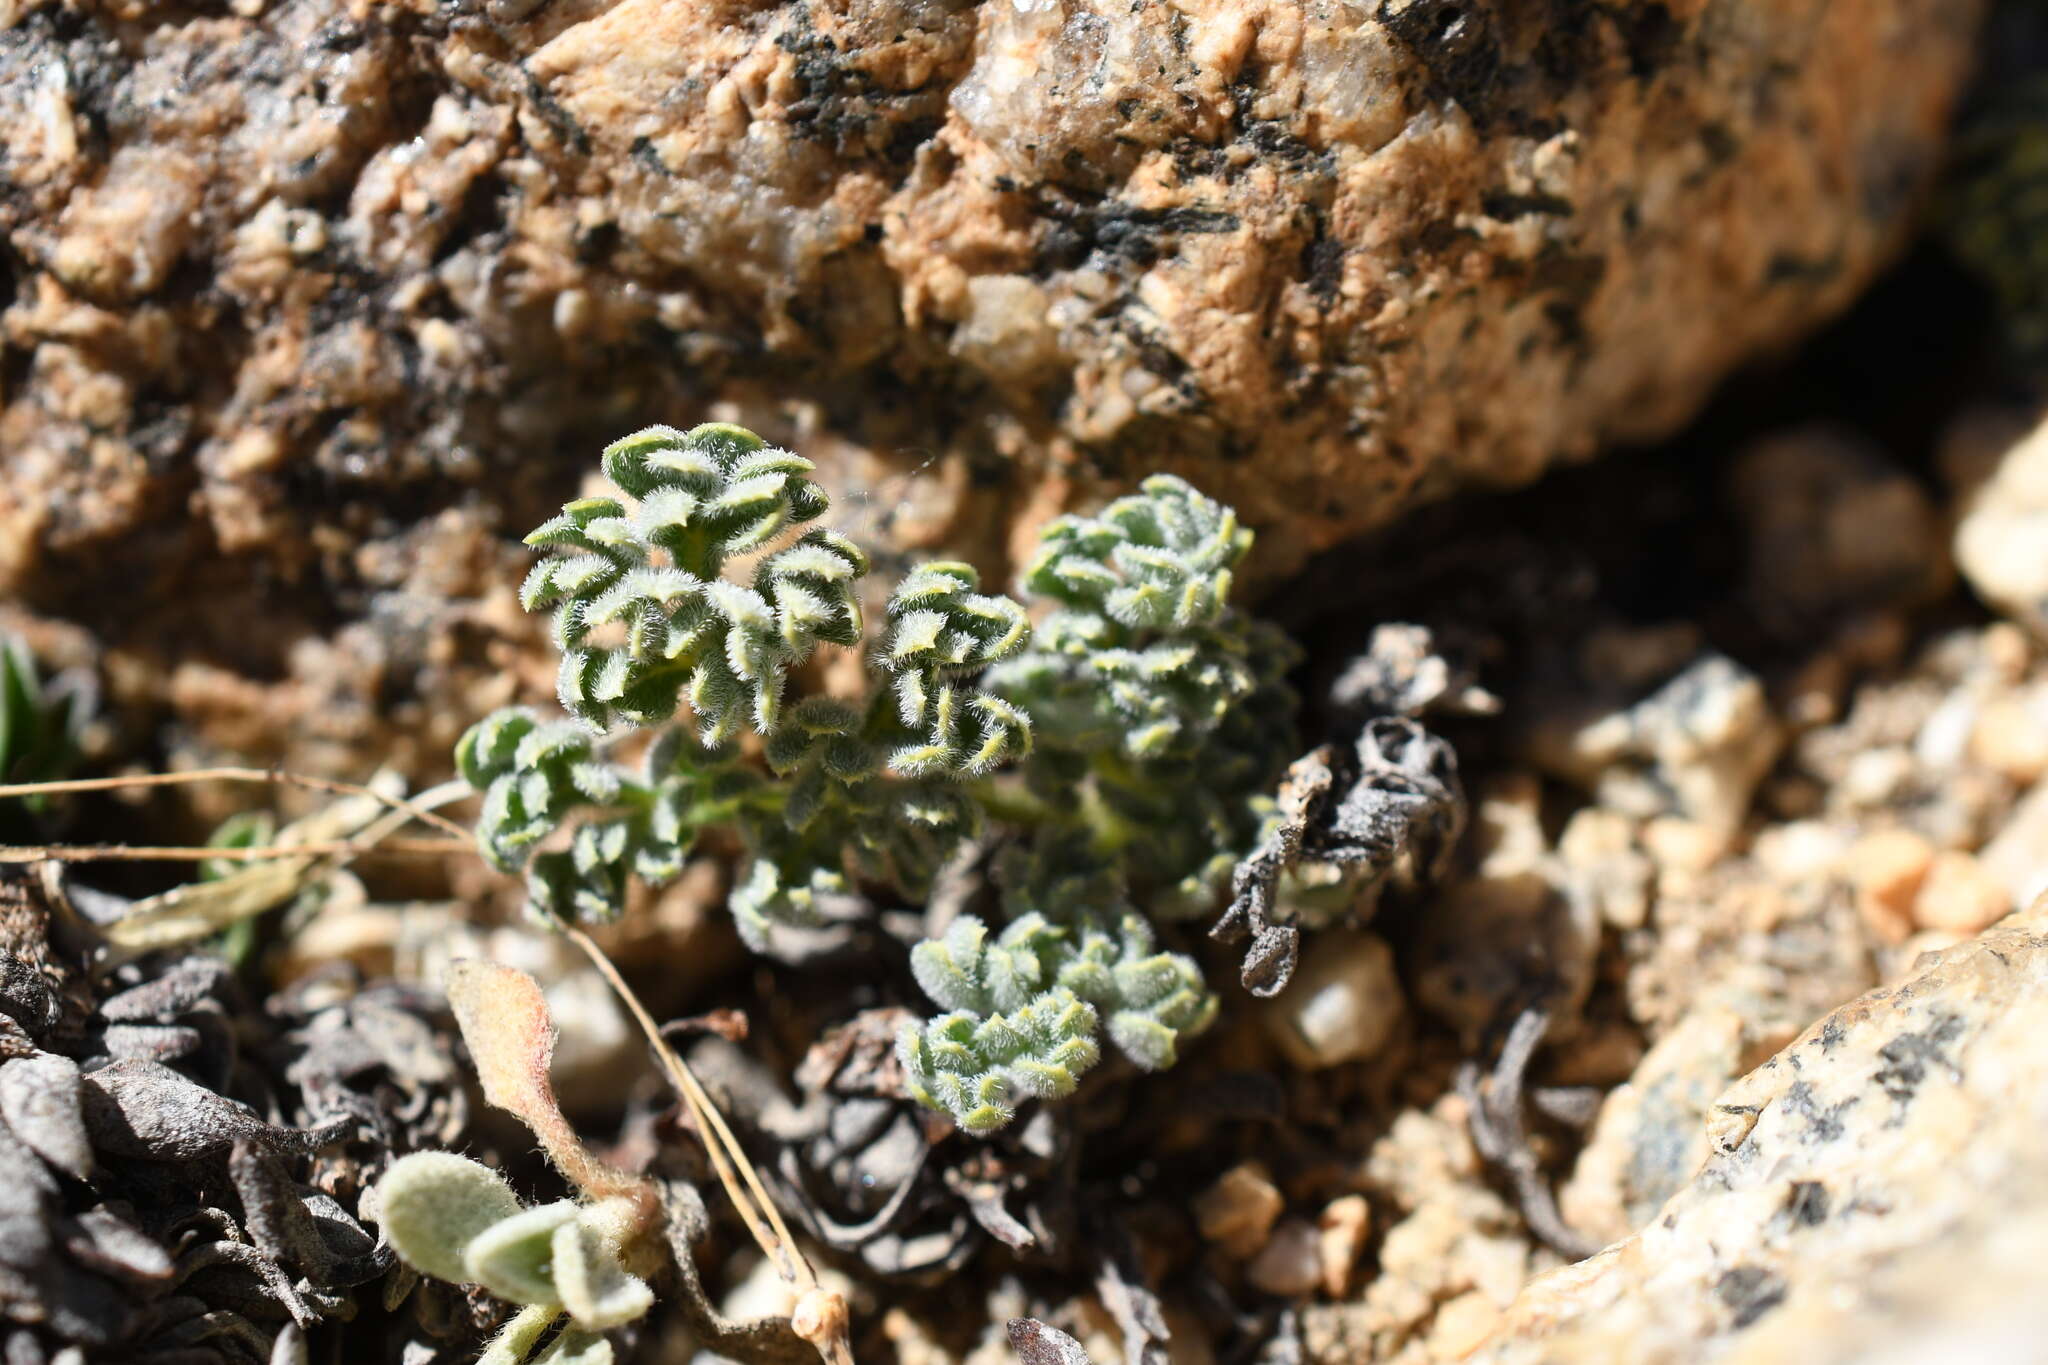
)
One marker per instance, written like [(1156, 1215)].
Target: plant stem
[(144, 853), (742, 1183), (272, 776)]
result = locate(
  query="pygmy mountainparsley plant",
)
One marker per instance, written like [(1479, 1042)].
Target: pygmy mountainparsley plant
[(1120, 747)]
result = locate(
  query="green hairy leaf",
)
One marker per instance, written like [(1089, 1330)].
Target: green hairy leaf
[(643, 616), (1025, 1010), (454, 1219), (434, 1204)]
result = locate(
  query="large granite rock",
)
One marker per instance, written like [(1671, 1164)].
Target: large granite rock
[(310, 301), (1876, 1191)]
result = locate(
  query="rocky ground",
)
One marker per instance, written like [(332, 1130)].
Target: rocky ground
[(1715, 1040)]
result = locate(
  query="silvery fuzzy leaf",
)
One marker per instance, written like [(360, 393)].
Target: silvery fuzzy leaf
[(576, 1348), (274, 1214), (150, 1042), (432, 1205), (513, 1258), (82, 1308), (27, 1204), (358, 1257), (25, 996), (100, 1241), (259, 1291), (195, 981), (381, 1027), (589, 1281), (39, 1098)]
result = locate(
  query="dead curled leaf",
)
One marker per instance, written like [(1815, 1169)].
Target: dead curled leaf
[(139, 1108), (40, 1097), (504, 1020)]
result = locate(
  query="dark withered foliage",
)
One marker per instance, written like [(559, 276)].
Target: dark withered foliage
[(1038, 1343), (1394, 794), (181, 1166), (1389, 798), (873, 1180)]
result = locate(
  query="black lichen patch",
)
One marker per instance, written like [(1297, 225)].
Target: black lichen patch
[(1750, 1292), (1808, 1204), (1578, 34), (1506, 207), (1908, 1057), (846, 108), (1322, 267), (1822, 1124), (1112, 233), (1458, 44)]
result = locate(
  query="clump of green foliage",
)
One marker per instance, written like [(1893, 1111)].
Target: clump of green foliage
[(39, 731), (1023, 1010), (1120, 747), (1153, 696)]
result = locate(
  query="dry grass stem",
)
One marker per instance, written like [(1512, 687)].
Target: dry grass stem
[(820, 1316)]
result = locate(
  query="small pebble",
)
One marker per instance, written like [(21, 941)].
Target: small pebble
[(1291, 1263), (1959, 896), (1687, 846), (1599, 849), (2007, 652), (1342, 1229), (1238, 1211), (2011, 738), (1800, 851), (2017, 856), (1998, 538), (1343, 1004), (1876, 776), (1887, 868)]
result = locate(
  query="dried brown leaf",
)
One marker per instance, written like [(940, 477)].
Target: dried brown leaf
[(1038, 1343), (141, 1108), (504, 1019), (101, 1241), (39, 1098)]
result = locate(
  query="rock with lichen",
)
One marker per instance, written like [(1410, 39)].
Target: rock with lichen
[(1877, 1188), (312, 300)]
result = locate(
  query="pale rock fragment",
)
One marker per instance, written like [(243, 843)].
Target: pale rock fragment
[(1238, 1211), (1875, 1191)]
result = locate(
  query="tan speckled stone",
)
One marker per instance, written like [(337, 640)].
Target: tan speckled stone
[(1878, 1190), (295, 280)]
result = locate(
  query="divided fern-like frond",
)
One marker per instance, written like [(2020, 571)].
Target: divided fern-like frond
[(1147, 687), (996, 993), (1160, 559), (644, 617), (1145, 653), (942, 630), (978, 1068), (540, 777)]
